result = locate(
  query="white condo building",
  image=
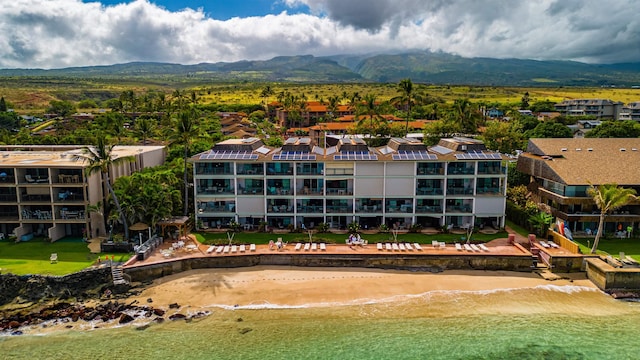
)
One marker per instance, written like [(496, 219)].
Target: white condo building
[(458, 182)]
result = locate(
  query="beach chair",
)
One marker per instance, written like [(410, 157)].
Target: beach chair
[(219, 249), (417, 246), (226, 249), (408, 246), (544, 244), (458, 247), (553, 245), (483, 247), (474, 247), (243, 248), (387, 246), (323, 246), (307, 247), (443, 245), (467, 247), (379, 246), (211, 249), (298, 246), (402, 247), (395, 247), (252, 247), (435, 244), (314, 246), (234, 248), (54, 258)]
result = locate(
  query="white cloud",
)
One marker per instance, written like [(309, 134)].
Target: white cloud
[(61, 33)]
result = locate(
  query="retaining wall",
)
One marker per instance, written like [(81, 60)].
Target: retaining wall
[(607, 277)]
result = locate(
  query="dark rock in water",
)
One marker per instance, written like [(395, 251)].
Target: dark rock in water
[(159, 320), (125, 318), (244, 330), (149, 300), (174, 306), (143, 327), (69, 326), (158, 312), (17, 332), (177, 317)]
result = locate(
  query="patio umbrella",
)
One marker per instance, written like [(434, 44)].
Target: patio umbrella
[(139, 227)]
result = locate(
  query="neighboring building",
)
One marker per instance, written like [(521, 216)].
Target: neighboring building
[(301, 184), (600, 108), (562, 169), (630, 111), (45, 191), (495, 113)]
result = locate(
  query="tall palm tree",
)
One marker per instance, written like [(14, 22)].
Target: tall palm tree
[(145, 127), (405, 88), (608, 197), (101, 159), (186, 131), (266, 92), (332, 107), (466, 114)]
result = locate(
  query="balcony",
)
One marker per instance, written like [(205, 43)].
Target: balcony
[(427, 209), (459, 208), (339, 209), (488, 191), (459, 191), (339, 191), (428, 191), (317, 209)]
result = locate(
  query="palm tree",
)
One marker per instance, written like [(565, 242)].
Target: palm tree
[(264, 94), (101, 159), (370, 110), (144, 128), (186, 131), (540, 221), (405, 88), (465, 113), (332, 107), (608, 197)]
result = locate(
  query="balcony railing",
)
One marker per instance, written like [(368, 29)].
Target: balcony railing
[(428, 191), (458, 208), (426, 209)]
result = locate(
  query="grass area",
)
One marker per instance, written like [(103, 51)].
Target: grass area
[(517, 228), (330, 238), (32, 257), (611, 246)]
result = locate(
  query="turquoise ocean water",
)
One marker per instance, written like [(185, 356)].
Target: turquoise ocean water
[(544, 322)]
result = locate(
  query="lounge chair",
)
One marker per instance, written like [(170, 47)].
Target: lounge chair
[(474, 247), (307, 247), (435, 244), (211, 249), (483, 247), (553, 245), (408, 246), (252, 247), (458, 247), (29, 178), (243, 248), (323, 246), (417, 246), (467, 247), (544, 244), (395, 247), (387, 246), (298, 246), (219, 249), (402, 247), (226, 249), (379, 246), (443, 245), (54, 258), (314, 246), (234, 248)]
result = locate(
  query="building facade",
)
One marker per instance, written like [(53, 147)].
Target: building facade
[(45, 191), (600, 108), (562, 170), (300, 185)]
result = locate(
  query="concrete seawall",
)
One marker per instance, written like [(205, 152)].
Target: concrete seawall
[(434, 263)]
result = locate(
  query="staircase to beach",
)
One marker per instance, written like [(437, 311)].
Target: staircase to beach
[(118, 275)]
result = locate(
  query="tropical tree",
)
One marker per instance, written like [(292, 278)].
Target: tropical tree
[(608, 198), (186, 131), (405, 88), (549, 129), (266, 92), (540, 221), (145, 127), (465, 114), (332, 107), (101, 159), (615, 129)]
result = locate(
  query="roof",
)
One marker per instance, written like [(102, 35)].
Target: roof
[(30, 156), (580, 161)]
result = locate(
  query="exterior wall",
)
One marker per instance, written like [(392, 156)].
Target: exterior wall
[(370, 192), (606, 277)]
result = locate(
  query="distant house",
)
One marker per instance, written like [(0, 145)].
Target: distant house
[(600, 108), (525, 112), (494, 113), (630, 111)]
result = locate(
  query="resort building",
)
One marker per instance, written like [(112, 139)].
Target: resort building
[(562, 170), (45, 191), (457, 183), (600, 108), (631, 111)]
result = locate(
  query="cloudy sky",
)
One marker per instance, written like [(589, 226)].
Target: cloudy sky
[(62, 33)]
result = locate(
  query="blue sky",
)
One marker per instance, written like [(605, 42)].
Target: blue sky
[(224, 9), (63, 33)]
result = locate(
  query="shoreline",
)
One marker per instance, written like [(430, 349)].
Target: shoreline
[(198, 293)]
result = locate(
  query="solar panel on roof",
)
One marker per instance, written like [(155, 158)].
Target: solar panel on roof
[(355, 155), (414, 155), (478, 156), (293, 155), (229, 155), (441, 149)]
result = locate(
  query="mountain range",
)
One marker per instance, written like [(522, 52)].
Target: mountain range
[(420, 67)]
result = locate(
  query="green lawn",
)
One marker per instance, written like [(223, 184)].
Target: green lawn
[(613, 246), (263, 238), (32, 257)]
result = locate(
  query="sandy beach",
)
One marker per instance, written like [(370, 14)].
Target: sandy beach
[(291, 286)]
